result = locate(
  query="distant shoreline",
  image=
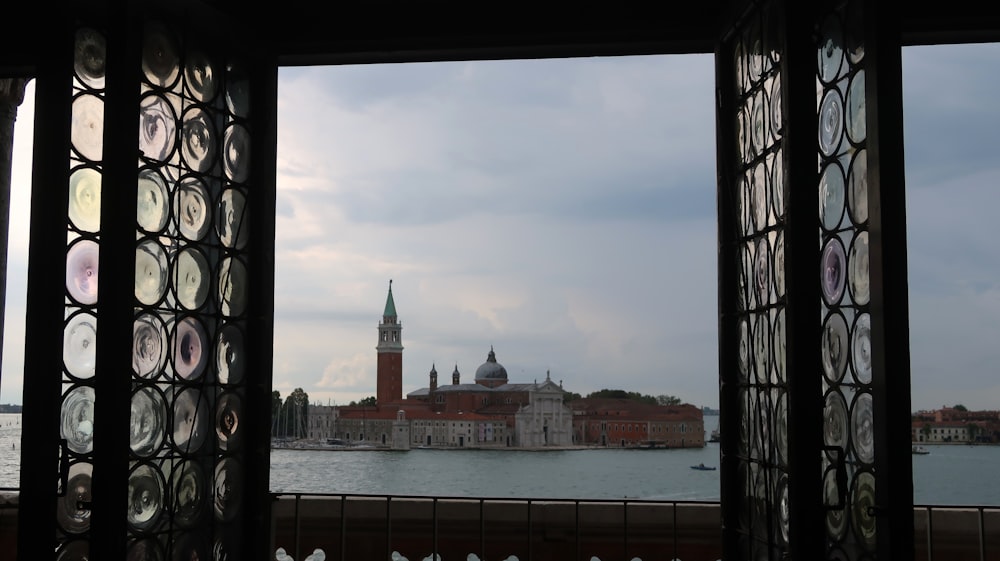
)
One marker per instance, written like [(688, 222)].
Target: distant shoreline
[(373, 448)]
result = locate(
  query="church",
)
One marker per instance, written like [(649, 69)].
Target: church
[(489, 412)]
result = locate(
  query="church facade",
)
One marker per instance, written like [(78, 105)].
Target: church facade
[(489, 412)]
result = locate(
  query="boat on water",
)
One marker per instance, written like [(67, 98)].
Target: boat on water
[(703, 467), (715, 436), (917, 449)]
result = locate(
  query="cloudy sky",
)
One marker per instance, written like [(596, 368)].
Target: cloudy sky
[(563, 212)]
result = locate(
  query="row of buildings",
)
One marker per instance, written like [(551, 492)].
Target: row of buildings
[(955, 425), (493, 412)]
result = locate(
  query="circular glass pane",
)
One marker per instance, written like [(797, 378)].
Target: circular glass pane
[(830, 56), (228, 486), (230, 222), (151, 209), (228, 412), (779, 265), (191, 278), (856, 126), (778, 346), (237, 91), (80, 345), (150, 272), (831, 122), (145, 497), (857, 192), (191, 420), (781, 428), (198, 140), (760, 197), (77, 419), (834, 271), (199, 76), (232, 286), (744, 421), (237, 153), (863, 505), (146, 549), (149, 346), (70, 512), (85, 199), (835, 420), (834, 347), (861, 349), (87, 131), (739, 62), (778, 185), (836, 522), (858, 269), (783, 510), (230, 358), (81, 271), (762, 271), (157, 128), (90, 57), (744, 354), (761, 348), (759, 121), (862, 430), (777, 117), (148, 421), (743, 130), (160, 59), (831, 196), (746, 207), (190, 349), (191, 545), (191, 206), (187, 482)]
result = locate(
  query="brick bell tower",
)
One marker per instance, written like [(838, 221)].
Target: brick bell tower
[(389, 384)]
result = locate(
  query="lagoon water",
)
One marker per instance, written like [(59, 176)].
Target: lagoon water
[(949, 475)]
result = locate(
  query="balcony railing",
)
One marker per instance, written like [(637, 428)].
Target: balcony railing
[(350, 526), (414, 527), (346, 526)]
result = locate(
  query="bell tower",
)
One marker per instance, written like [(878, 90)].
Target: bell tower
[(389, 384)]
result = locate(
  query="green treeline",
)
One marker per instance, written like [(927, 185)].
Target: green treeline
[(662, 399)]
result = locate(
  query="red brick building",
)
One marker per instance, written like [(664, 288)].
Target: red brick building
[(617, 422)]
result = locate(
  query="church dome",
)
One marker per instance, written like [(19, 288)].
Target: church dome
[(491, 369)]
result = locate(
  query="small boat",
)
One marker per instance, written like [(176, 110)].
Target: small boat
[(703, 467), (716, 436), (919, 450)]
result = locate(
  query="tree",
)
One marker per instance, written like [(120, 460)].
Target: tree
[(622, 394), (366, 402), (275, 412), (960, 407), (668, 400), (570, 396), (292, 415), (973, 431)]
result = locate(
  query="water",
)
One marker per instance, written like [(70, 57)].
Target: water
[(950, 474), (10, 449), (591, 474)]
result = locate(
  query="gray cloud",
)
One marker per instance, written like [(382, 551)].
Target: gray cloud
[(564, 212)]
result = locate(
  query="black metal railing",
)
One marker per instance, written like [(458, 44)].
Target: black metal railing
[(416, 527)]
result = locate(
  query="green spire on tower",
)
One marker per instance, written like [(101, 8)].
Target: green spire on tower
[(390, 306)]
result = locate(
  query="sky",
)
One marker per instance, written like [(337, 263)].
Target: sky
[(563, 213)]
